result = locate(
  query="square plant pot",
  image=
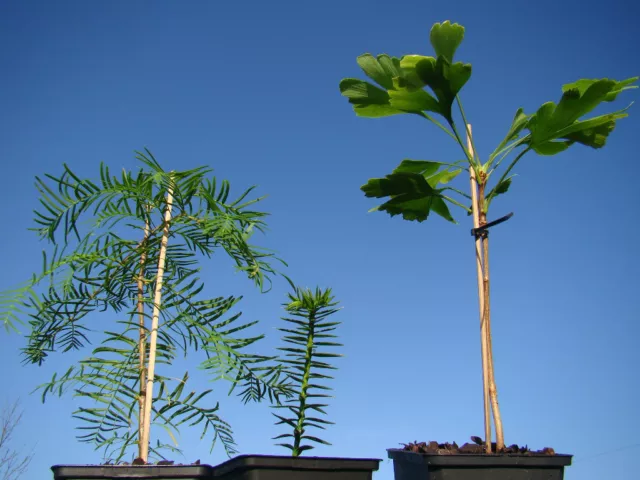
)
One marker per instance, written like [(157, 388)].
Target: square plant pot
[(424, 466), (121, 472), (267, 467)]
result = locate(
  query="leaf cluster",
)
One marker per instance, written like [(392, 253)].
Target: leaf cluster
[(429, 86)]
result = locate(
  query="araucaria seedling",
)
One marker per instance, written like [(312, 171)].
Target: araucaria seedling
[(131, 245), (417, 188), (310, 331)]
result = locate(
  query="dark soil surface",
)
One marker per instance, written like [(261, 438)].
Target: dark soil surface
[(139, 461), (477, 447)]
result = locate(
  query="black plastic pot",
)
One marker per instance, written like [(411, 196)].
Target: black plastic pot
[(422, 466), (121, 472), (266, 467)]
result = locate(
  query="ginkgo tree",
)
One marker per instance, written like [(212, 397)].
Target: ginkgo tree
[(128, 247), (428, 87)]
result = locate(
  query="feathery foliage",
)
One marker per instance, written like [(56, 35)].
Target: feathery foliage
[(309, 330), (131, 245)]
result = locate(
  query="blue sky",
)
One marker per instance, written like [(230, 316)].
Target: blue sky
[(251, 89)]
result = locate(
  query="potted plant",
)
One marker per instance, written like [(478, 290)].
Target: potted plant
[(130, 245), (415, 189), (307, 334)]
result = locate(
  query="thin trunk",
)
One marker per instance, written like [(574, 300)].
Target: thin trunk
[(493, 391), (157, 298), (142, 344), (475, 206), (302, 398)]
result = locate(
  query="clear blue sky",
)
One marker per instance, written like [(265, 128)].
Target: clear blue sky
[(251, 89)]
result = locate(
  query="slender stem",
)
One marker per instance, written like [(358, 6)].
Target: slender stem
[(513, 164), (456, 165), (455, 202), (467, 153), (142, 347), (471, 145), (302, 398), (429, 117), (506, 150), (481, 297), (157, 298), (493, 390), (460, 192)]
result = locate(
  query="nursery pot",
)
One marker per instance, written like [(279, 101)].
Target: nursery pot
[(463, 466), (121, 472), (266, 467)]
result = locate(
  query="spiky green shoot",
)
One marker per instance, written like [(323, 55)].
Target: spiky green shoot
[(311, 331)]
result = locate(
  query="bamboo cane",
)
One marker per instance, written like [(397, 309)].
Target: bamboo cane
[(483, 327), (493, 389), (142, 348), (157, 298)]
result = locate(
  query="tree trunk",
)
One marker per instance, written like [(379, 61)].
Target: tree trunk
[(493, 390), (475, 206), (142, 342), (157, 299)]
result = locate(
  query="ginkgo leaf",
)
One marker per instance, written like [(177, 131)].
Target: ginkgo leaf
[(424, 167), (414, 101), (555, 127), (444, 78), (410, 196), (445, 38), (517, 125), (381, 70), (501, 188), (367, 100)]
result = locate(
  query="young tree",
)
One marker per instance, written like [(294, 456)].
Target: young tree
[(429, 87), (13, 465), (132, 245), (309, 337)]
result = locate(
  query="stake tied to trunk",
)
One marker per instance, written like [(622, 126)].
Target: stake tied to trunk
[(429, 87)]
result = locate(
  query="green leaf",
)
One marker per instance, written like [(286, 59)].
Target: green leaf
[(367, 100), (501, 188), (429, 171), (381, 70), (446, 38), (411, 196), (517, 125), (584, 84), (440, 207), (410, 79), (444, 78), (413, 101), (588, 130), (443, 177), (360, 92), (315, 439), (551, 148), (425, 167), (593, 134), (556, 127), (398, 184)]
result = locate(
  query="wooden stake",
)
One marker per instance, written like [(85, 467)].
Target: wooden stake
[(493, 389), (483, 327), (142, 346), (157, 299)]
